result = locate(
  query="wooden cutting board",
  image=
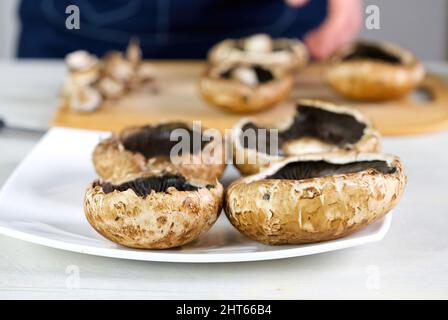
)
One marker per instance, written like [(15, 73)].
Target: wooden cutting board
[(177, 98)]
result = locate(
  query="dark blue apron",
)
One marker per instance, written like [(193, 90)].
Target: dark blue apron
[(166, 28)]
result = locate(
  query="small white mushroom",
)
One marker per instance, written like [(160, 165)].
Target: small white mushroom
[(117, 67), (145, 72), (84, 99), (258, 43), (246, 75), (84, 78), (110, 88), (134, 52), (81, 61)]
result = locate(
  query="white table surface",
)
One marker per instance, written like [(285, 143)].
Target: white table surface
[(411, 262)]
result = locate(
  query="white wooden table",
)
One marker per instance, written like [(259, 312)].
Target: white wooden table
[(411, 262)]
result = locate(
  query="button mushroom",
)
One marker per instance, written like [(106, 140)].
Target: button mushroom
[(286, 54), (80, 61), (315, 198), (314, 127), (136, 150), (244, 88), (374, 71), (118, 67), (84, 99), (258, 43), (111, 88), (153, 212)]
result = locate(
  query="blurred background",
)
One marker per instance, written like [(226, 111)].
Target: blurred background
[(411, 23)]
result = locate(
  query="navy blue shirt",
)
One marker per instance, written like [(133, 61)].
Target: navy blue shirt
[(177, 29)]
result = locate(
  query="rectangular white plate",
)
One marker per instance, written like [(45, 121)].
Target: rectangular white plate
[(42, 203)]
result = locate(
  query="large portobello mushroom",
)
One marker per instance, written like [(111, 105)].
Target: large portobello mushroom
[(148, 148), (315, 127), (244, 88), (153, 212), (287, 54), (315, 198), (374, 71)]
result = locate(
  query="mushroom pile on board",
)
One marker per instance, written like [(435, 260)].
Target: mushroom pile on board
[(91, 80)]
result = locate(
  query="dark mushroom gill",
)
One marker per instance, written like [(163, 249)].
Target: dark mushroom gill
[(336, 128), (154, 141), (143, 186), (301, 170), (263, 74), (363, 51)]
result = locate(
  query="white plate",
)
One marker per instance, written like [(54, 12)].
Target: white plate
[(42, 203)]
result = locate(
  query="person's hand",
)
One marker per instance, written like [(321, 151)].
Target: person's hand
[(340, 27)]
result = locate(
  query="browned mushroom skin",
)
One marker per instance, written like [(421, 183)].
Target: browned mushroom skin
[(335, 128), (315, 198), (153, 212), (147, 148)]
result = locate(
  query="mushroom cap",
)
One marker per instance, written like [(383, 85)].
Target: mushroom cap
[(374, 71), (315, 197), (140, 149), (316, 127), (81, 61), (111, 88), (288, 54), (118, 67), (150, 213), (240, 93), (84, 99)]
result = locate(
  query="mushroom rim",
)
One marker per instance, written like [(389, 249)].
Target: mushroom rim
[(219, 73), (148, 151), (283, 127), (263, 74), (404, 58), (164, 183), (392, 162), (290, 46)]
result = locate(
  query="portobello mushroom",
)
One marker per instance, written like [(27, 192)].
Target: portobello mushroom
[(374, 71), (286, 54), (153, 211), (315, 127), (244, 88), (315, 197), (149, 148)]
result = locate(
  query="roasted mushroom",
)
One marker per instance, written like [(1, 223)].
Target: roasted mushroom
[(244, 87), (287, 54), (315, 198), (315, 127), (137, 150), (153, 212), (374, 71)]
